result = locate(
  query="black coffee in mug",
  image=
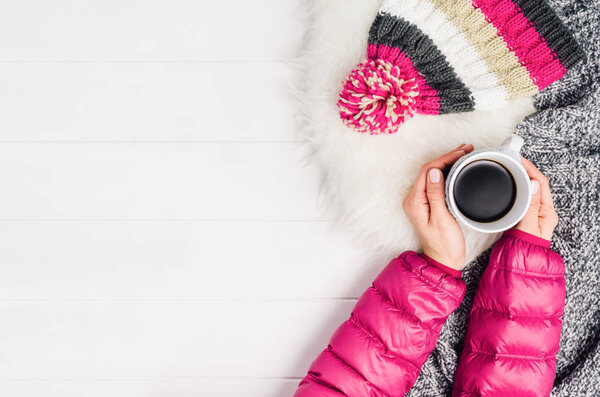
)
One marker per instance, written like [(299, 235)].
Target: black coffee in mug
[(484, 191)]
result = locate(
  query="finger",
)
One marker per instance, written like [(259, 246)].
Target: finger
[(440, 163), (450, 157), (530, 220), (535, 173), (436, 194)]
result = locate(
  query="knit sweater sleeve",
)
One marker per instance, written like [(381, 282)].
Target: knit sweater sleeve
[(515, 323), (392, 330)]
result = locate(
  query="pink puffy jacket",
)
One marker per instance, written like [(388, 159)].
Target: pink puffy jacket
[(511, 341)]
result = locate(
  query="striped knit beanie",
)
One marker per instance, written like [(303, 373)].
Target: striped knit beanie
[(450, 56)]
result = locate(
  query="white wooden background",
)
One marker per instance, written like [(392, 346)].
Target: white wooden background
[(158, 234)]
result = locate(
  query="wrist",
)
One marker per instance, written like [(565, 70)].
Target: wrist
[(447, 269), (526, 236)]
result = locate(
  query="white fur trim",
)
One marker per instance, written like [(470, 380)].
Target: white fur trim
[(365, 178)]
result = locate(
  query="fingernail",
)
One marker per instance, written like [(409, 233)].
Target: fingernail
[(434, 175), (535, 186)]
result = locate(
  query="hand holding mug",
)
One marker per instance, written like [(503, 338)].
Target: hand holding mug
[(541, 217), (439, 233), (489, 190), (437, 229)]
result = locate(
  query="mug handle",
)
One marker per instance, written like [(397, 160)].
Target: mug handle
[(512, 146)]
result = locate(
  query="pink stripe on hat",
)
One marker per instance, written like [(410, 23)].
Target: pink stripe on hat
[(523, 39)]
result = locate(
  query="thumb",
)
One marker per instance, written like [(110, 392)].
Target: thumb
[(530, 220), (436, 194)]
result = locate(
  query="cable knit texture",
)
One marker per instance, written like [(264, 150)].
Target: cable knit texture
[(391, 332)]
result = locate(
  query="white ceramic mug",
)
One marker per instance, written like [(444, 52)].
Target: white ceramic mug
[(508, 155)]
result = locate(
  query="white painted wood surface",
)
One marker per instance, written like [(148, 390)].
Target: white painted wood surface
[(145, 101), (159, 235)]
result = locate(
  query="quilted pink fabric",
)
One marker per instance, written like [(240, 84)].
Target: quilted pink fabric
[(393, 328), (512, 337), (515, 323)]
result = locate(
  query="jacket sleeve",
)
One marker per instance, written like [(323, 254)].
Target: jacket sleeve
[(392, 330), (515, 323)]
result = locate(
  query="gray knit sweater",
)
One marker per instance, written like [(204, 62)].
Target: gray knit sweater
[(563, 141)]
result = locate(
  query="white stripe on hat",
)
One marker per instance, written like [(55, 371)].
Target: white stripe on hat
[(468, 65)]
